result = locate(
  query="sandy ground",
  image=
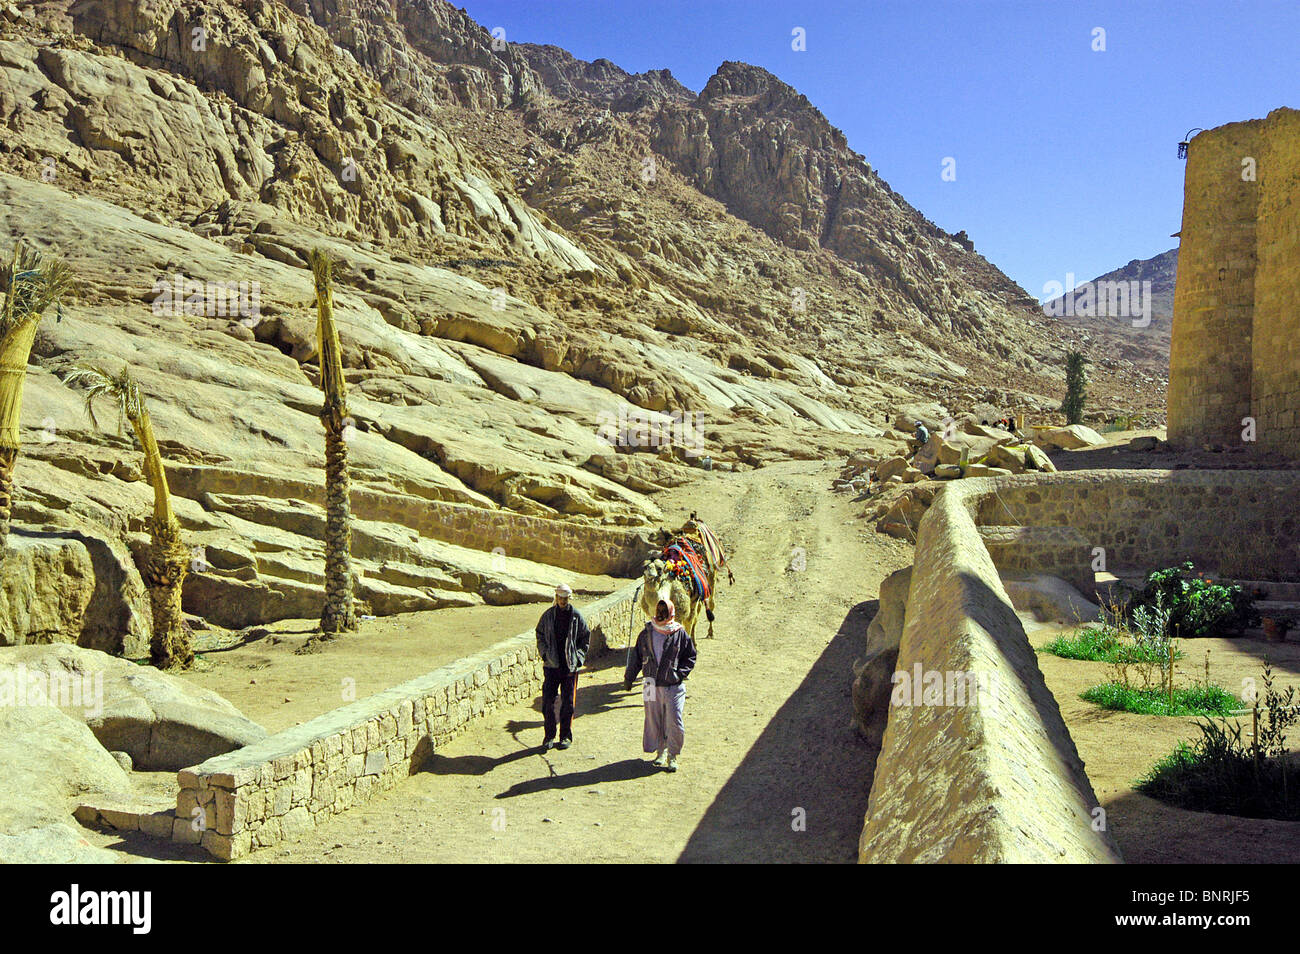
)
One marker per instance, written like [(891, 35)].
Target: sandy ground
[(769, 742), (275, 684), (1119, 747)]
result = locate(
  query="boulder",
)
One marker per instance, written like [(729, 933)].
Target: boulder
[(949, 453), (891, 467), (1069, 438), (161, 721), (947, 471), (1049, 598), (975, 429), (46, 586), (873, 673), (72, 588), (1008, 457), (927, 455), (49, 759), (1037, 459), (52, 845), (930, 413), (1146, 443)]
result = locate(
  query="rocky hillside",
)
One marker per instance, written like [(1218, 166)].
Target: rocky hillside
[(536, 255), (1138, 355)]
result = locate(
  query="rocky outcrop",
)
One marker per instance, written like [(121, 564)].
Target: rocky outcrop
[(162, 722), (49, 760), (73, 588)]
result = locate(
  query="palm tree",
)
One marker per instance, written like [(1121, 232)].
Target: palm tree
[(31, 283), (339, 614), (168, 560)]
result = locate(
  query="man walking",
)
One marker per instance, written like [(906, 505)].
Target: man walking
[(562, 640), (665, 653)]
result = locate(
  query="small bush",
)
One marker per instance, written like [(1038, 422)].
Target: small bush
[(1197, 606), (1222, 773)]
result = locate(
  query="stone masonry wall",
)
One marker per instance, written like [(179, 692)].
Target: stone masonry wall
[(1214, 290), (278, 789), (1238, 523), (983, 776), (1236, 326), (1001, 780), (1275, 382)]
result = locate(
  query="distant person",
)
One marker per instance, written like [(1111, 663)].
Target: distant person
[(922, 434), (562, 641), (665, 653)]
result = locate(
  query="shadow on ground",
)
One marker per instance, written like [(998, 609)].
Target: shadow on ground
[(1151, 832), (623, 771), (809, 765)]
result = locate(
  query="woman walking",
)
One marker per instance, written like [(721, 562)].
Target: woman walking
[(665, 654)]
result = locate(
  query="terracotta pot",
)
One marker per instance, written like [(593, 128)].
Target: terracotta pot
[(1274, 631)]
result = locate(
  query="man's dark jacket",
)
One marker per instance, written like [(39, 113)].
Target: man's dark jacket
[(675, 663), (572, 644)]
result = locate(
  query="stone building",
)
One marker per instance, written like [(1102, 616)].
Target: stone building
[(1236, 326)]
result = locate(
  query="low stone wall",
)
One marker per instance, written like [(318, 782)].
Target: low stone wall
[(976, 763), (1237, 523), (278, 789)]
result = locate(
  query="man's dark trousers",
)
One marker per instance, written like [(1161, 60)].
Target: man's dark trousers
[(565, 684)]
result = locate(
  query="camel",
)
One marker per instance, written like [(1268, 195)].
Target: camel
[(659, 583)]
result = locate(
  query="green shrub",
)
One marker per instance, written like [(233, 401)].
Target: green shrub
[(1197, 606), (1221, 772), (1076, 387)]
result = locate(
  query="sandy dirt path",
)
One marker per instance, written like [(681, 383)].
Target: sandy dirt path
[(768, 738)]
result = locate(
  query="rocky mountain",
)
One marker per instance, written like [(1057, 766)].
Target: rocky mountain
[(1132, 344), (539, 258)]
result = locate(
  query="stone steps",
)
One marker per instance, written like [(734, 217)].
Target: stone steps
[(117, 812)]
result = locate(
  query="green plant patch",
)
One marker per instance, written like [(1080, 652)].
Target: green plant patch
[(1218, 773), (1191, 701), (1104, 644)]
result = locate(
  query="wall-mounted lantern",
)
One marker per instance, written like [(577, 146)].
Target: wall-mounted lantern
[(1187, 141)]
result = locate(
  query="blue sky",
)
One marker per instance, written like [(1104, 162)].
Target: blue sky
[(1066, 157)]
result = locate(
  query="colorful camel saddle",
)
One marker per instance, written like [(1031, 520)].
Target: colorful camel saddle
[(687, 563)]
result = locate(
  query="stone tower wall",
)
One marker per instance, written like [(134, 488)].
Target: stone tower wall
[(1275, 384), (1214, 293), (1236, 331)]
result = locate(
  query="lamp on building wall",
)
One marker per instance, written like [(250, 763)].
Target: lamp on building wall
[(1187, 141)]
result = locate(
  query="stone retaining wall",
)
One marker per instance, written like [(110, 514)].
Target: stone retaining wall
[(278, 789), (1237, 523), (984, 771)]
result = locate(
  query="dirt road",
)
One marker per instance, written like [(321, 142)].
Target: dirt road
[(771, 771)]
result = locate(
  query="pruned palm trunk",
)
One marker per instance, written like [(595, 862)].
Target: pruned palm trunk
[(30, 285), (168, 559), (339, 614)]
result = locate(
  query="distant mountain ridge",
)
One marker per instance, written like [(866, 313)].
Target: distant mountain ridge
[(1116, 335)]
